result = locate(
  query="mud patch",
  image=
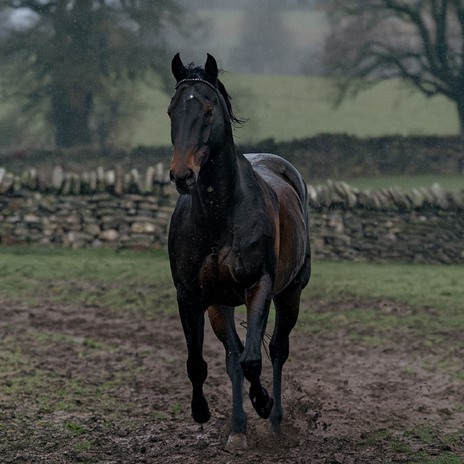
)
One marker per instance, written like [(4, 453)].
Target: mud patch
[(84, 384)]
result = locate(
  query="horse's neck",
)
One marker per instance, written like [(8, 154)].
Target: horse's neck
[(221, 189)]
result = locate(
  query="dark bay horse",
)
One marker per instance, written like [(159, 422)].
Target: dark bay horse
[(238, 236)]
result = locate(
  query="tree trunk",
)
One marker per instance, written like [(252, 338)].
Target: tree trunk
[(71, 110), (460, 108), (71, 98)]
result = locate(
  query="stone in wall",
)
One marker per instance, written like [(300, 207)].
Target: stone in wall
[(113, 181)]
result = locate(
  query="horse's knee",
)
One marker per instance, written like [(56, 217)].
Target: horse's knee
[(279, 350)]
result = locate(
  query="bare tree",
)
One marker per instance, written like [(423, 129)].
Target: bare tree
[(420, 41), (72, 60)]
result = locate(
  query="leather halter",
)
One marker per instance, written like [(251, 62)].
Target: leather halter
[(195, 79)]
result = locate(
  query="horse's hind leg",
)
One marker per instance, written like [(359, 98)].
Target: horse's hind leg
[(287, 305), (287, 308), (223, 323)]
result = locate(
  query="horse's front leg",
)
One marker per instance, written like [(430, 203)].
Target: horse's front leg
[(192, 315), (223, 323), (258, 300)]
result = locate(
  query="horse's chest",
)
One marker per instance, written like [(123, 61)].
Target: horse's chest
[(225, 275)]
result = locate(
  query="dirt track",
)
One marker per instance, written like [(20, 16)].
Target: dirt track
[(81, 384)]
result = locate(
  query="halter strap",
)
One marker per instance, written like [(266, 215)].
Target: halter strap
[(196, 79)]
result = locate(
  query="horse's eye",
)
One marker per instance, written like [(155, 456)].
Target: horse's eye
[(208, 113)]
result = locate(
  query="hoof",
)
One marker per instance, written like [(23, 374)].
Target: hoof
[(276, 429), (200, 410), (237, 441), (263, 406), (275, 421)]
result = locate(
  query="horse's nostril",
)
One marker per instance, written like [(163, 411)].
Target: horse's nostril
[(189, 177), (184, 181), (172, 177)]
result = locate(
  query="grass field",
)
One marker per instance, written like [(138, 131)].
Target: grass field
[(100, 277)]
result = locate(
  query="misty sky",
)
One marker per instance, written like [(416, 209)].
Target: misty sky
[(263, 36)]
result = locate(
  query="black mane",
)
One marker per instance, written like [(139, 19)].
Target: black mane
[(197, 72)]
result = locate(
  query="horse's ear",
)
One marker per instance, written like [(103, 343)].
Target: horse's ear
[(178, 68), (211, 69)]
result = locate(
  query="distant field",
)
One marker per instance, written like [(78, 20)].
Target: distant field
[(279, 107), (286, 107)]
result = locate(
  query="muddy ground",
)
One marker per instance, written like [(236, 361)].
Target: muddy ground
[(84, 384)]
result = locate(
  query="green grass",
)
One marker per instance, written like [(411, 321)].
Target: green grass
[(377, 305), (417, 285), (126, 279), (104, 278), (288, 107)]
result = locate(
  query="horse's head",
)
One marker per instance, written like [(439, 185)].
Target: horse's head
[(201, 115)]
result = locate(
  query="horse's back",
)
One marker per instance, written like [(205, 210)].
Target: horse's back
[(277, 172), (270, 167)]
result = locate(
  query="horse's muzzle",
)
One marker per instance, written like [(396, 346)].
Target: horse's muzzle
[(183, 183)]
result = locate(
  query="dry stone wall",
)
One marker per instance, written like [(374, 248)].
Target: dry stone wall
[(415, 236), (101, 219), (131, 209), (342, 156)]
